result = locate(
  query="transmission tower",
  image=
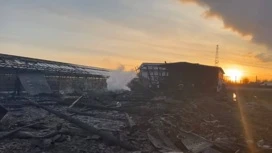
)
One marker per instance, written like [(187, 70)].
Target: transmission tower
[(216, 62)]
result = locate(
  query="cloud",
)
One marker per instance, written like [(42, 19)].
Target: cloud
[(264, 57), (247, 17)]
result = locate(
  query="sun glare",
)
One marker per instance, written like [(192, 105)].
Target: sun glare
[(234, 75)]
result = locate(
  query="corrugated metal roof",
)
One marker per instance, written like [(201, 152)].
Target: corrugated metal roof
[(21, 63), (144, 65)]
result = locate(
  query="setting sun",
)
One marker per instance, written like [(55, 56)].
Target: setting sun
[(234, 75)]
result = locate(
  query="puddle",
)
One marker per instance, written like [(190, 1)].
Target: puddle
[(234, 97)]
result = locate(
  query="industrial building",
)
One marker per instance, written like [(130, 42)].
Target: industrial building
[(38, 76), (182, 75), (152, 74)]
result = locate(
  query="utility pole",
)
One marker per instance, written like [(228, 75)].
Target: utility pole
[(216, 62), (256, 78)]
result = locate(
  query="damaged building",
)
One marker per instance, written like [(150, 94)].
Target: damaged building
[(119, 121), (38, 76), (152, 74), (182, 75)]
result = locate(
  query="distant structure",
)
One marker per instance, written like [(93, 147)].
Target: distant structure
[(37, 76), (256, 79), (216, 62), (152, 74), (189, 76), (266, 84)]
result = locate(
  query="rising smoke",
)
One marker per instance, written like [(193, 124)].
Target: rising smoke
[(247, 17), (119, 79)]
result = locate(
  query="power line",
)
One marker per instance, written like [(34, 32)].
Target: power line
[(245, 62)]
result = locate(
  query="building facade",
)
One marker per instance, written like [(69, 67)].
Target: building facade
[(183, 75), (60, 76), (152, 74)]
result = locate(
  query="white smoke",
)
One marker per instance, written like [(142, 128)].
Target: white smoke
[(119, 79)]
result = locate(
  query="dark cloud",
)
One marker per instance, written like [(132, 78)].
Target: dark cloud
[(264, 57), (247, 17)]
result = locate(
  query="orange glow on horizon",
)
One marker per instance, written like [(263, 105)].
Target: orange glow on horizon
[(234, 75)]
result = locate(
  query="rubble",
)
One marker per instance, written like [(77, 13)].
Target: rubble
[(261, 144), (124, 122), (131, 123), (3, 112)]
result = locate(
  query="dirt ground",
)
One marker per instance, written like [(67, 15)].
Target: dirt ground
[(255, 107)]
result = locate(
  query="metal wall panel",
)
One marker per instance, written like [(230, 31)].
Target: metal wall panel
[(34, 83)]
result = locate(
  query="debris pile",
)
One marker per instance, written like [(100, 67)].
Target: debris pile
[(122, 122)]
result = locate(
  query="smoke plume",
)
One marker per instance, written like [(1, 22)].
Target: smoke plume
[(247, 17), (119, 79)]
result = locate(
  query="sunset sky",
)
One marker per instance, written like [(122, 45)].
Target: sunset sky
[(109, 33)]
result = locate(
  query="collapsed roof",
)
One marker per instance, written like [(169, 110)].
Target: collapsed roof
[(19, 63)]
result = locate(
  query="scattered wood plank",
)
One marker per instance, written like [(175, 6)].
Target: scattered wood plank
[(31, 135), (101, 107), (76, 112), (167, 141), (8, 134), (109, 138), (131, 110), (158, 144), (75, 102), (130, 121), (102, 116), (94, 107), (16, 105)]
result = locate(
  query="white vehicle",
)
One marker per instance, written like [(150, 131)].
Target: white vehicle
[(269, 84)]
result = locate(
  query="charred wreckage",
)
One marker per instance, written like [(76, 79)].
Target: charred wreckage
[(55, 107)]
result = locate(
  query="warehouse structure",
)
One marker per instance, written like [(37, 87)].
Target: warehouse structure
[(152, 74), (182, 75), (43, 76)]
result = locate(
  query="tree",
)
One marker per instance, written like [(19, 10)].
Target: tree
[(245, 80)]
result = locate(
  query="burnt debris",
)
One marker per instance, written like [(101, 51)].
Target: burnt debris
[(52, 115)]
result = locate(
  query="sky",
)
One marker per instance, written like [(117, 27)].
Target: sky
[(110, 33)]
